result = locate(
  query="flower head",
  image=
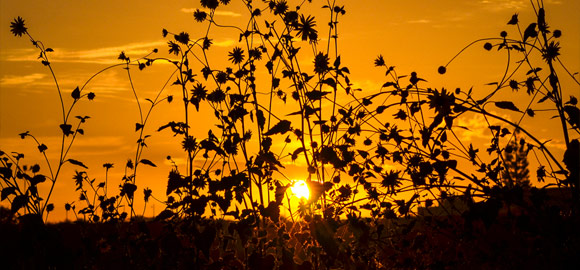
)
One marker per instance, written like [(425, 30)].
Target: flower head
[(236, 55), (17, 27)]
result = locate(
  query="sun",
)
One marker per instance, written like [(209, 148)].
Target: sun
[(300, 189)]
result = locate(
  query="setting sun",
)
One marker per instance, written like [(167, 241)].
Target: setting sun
[(300, 189)]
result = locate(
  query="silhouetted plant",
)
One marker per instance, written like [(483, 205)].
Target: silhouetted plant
[(516, 162), (380, 154)]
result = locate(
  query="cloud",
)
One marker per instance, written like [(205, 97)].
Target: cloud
[(420, 21), (217, 12), (19, 80), (501, 5), (105, 56)]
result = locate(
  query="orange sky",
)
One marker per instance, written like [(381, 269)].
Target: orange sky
[(88, 36)]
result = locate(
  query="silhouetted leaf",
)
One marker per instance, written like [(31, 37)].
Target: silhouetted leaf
[(164, 215), (39, 178), (7, 191), (66, 129), (19, 202), (573, 115), (530, 31), (281, 128), (76, 94), (147, 162), (328, 81), (316, 94), (296, 153), (76, 162), (508, 105), (530, 112)]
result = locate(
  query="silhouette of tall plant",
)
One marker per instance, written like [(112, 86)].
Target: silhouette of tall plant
[(516, 162)]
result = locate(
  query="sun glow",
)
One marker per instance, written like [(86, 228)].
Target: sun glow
[(300, 189)]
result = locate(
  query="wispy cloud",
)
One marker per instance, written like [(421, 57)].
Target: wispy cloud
[(217, 12), (105, 55), (501, 5), (420, 21), (19, 80)]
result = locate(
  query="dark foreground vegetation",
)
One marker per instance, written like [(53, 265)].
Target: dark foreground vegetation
[(392, 184), (547, 238)]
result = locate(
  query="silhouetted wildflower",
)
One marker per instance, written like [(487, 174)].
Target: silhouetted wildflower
[(199, 15), (380, 61), (189, 144), (236, 55), (551, 51), (17, 27), (321, 63), (211, 4), (306, 29)]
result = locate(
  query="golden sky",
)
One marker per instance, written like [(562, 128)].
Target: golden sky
[(87, 36)]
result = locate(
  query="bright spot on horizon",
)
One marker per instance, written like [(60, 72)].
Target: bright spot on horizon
[(300, 189)]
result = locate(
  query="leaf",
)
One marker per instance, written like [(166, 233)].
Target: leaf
[(76, 94), (297, 152), (66, 129), (573, 115), (147, 162), (387, 84), (19, 202), (281, 127), (337, 62), (76, 162), (261, 119), (138, 126), (316, 94), (7, 191), (165, 214), (5, 172), (39, 178), (530, 31), (508, 105), (330, 82)]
